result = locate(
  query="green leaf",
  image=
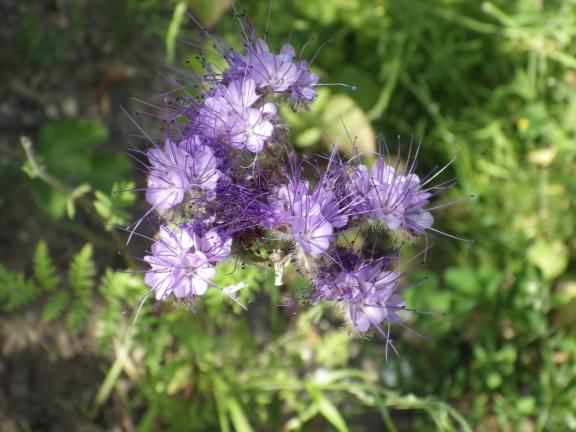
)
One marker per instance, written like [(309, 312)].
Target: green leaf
[(308, 137), (81, 277), (327, 409), (29, 170), (55, 306), (78, 192), (112, 208), (72, 152), (53, 201), (220, 395), (462, 279), (82, 271), (121, 287), (526, 405), (45, 272), (493, 380), (237, 416), (209, 11), (173, 30), (107, 168), (66, 145), (16, 290), (77, 316), (550, 257), (346, 125), (103, 205), (324, 12)]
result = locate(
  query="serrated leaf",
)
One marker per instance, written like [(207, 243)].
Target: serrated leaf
[(81, 274), (76, 317), (71, 201), (112, 208), (16, 290), (121, 287), (81, 277), (55, 306), (45, 272)]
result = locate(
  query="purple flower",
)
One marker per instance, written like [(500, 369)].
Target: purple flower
[(367, 289), (396, 199), (210, 192), (357, 184), (167, 182), (303, 89), (178, 169), (251, 130), (277, 73), (416, 218), (311, 216), (230, 113), (182, 261), (311, 232), (200, 164), (381, 305), (236, 96)]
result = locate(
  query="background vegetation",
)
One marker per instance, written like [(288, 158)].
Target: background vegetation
[(491, 85)]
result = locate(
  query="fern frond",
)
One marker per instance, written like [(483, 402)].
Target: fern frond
[(112, 208), (16, 290), (82, 271), (45, 272), (81, 277), (121, 287), (55, 305), (77, 315)]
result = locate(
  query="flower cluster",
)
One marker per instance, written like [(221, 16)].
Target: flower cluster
[(228, 182)]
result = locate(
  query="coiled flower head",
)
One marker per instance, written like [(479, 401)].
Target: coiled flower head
[(228, 184)]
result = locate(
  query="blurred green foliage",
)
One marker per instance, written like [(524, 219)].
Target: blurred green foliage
[(490, 84)]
